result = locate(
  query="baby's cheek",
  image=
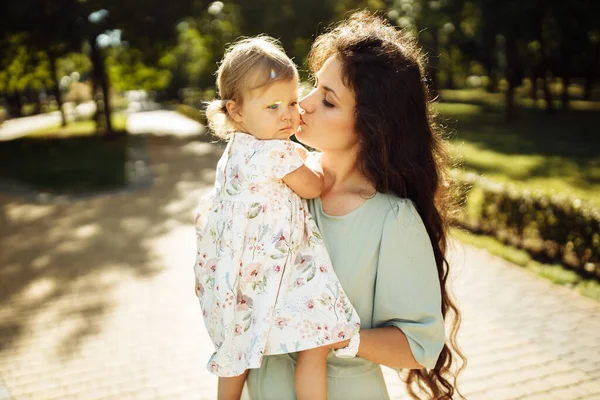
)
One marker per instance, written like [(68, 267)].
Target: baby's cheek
[(296, 118)]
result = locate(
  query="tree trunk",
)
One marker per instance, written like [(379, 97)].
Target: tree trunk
[(56, 88), (492, 86), (14, 105), (591, 75), (548, 96), (103, 110), (544, 74), (534, 86), (450, 77), (565, 92), (511, 77)]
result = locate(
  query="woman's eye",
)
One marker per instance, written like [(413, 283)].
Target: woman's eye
[(294, 103), (327, 104), (273, 106)]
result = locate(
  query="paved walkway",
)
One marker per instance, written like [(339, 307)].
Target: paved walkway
[(163, 123), (96, 302), (157, 122)]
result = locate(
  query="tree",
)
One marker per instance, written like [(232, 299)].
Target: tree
[(21, 70)]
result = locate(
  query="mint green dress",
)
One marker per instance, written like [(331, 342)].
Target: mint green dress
[(384, 260)]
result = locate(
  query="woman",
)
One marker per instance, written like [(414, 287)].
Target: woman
[(381, 214)]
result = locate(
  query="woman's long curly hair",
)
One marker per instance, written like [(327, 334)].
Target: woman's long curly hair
[(401, 151)]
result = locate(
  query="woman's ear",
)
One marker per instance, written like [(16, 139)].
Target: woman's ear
[(234, 111)]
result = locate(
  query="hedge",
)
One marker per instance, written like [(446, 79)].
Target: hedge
[(552, 227)]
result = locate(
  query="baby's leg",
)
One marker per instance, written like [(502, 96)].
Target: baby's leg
[(310, 378), (231, 388)]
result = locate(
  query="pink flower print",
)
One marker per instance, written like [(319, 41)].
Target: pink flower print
[(339, 332), (299, 282), (243, 302), (278, 237), (323, 269), (252, 273), (238, 330), (277, 268), (277, 155), (199, 289), (310, 304), (254, 188), (303, 262), (214, 367), (212, 264), (280, 322)]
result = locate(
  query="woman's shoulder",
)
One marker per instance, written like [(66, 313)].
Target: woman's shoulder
[(395, 204)]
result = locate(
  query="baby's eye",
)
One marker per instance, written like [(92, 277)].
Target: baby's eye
[(274, 106), (294, 103)]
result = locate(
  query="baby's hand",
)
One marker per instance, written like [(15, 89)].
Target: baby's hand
[(301, 150)]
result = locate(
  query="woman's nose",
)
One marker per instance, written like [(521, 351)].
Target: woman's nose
[(307, 103)]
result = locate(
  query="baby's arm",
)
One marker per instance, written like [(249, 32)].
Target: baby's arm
[(306, 181)]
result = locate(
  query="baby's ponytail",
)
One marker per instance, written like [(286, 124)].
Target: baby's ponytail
[(218, 120)]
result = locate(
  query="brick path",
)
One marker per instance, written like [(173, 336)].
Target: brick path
[(96, 302)]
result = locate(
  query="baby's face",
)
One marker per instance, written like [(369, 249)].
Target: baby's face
[(272, 113)]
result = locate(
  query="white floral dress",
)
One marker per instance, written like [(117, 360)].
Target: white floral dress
[(264, 279)]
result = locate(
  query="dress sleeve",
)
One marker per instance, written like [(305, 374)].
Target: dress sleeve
[(283, 158), (407, 287)]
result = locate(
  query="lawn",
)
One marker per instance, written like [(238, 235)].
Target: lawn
[(549, 153), (78, 128)]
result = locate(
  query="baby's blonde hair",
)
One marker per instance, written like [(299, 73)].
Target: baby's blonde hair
[(248, 64)]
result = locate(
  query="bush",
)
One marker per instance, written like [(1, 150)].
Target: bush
[(556, 227), (192, 113)]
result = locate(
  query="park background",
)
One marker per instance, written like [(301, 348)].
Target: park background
[(103, 152)]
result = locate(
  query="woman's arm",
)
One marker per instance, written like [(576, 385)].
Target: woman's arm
[(407, 318), (386, 346)]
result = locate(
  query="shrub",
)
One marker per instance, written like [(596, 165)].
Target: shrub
[(555, 227)]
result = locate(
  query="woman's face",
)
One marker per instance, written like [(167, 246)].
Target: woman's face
[(328, 112)]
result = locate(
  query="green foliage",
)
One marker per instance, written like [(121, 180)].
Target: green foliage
[(549, 154), (127, 71), (557, 227), (74, 62), (21, 68), (74, 165), (192, 113)]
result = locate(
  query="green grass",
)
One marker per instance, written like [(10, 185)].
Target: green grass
[(78, 128), (549, 153), (556, 274), (74, 165)]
